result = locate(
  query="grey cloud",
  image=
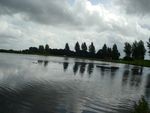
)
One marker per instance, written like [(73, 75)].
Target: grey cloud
[(53, 12), (46, 12), (60, 21), (8, 42), (139, 7), (145, 26), (6, 37)]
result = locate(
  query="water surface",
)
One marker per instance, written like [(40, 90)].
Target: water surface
[(39, 84)]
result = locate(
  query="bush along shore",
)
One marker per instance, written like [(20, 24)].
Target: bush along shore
[(141, 106), (134, 53)]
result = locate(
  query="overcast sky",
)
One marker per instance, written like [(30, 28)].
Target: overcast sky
[(25, 23)]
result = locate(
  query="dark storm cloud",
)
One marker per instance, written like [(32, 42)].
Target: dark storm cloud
[(140, 7), (43, 11)]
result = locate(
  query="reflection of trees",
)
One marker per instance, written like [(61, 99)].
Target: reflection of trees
[(137, 70), (136, 76), (90, 68), (127, 66), (126, 73), (40, 61), (125, 77), (82, 67), (65, 65), (102, 70), (76, 67), (112, 70), (44, 62), (147, 89)]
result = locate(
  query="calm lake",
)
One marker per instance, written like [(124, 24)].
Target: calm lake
[(39, 84)]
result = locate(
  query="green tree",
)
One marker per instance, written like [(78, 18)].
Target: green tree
[(67, 48), (127, 50), (148, 45), (84, 47), (141, 50), (104, 51), (46, 47), (41, 48), (115, 52), (135, 50), (77, 47), (92, 48), (109, 53), (138, 50), (33, 50)]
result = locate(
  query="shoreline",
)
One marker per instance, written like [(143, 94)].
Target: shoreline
[(143, 63)]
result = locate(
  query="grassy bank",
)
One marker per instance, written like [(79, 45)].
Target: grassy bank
[(144, 63)]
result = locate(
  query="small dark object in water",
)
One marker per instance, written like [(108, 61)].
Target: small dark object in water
[(137, 70), (34, 62), (111, 67)]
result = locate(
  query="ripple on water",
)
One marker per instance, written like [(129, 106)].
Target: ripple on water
[(57, 85)]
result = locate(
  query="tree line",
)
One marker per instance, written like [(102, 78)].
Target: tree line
[(134, 51), (79, 51)]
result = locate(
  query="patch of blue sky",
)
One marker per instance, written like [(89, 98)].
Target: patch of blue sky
[(95, 2), (71, 2)]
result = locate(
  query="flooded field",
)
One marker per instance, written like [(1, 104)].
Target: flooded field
[(39, 84)]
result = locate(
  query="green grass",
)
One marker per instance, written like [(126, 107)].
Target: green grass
[(141, 106), (145, 63)]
